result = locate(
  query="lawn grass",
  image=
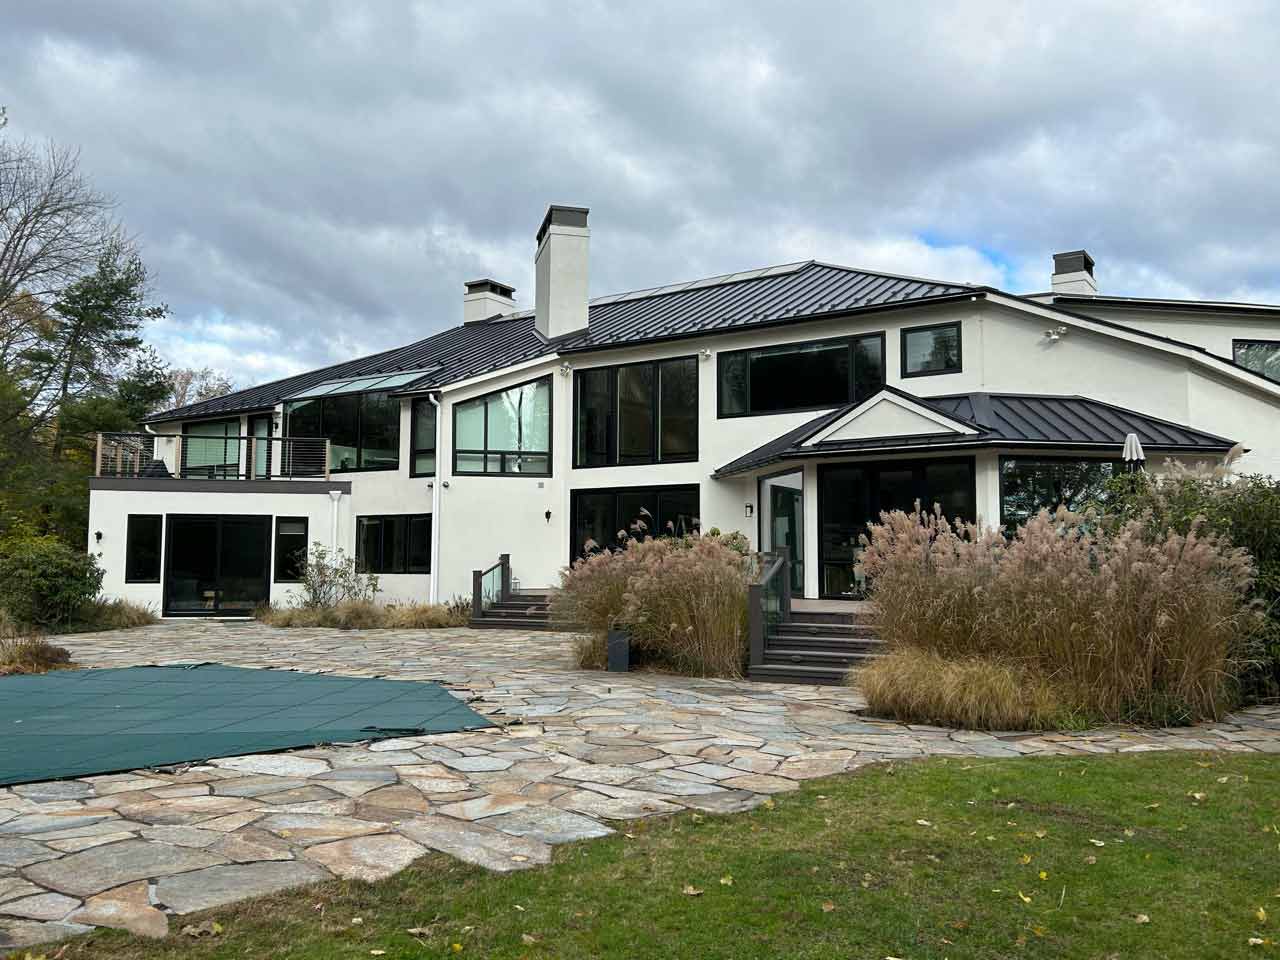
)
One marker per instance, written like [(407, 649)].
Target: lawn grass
[(1151, 855)]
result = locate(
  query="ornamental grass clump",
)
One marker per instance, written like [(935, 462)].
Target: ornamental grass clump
[(1122, 624), (682, 600)]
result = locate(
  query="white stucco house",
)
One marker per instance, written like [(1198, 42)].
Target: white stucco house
[(790, 403)]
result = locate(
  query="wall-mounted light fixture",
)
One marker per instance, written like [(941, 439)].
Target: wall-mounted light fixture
[(705, 353), (565, 369), (751, 510), (548, 516), (97, 536)]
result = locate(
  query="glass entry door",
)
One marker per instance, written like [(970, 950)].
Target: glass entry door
[(851, 495), (260, 430), (216, 565), (782, 522)]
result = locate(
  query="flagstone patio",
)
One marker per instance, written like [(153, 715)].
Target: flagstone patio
[(576, 752)]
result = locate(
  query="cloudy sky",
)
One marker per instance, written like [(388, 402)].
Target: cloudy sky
[(312, 181)]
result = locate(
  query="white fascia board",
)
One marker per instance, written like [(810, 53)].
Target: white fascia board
[(1131, 335), (549, 358), (946, 423)]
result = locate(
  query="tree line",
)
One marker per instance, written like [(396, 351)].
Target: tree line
[(75, 302)]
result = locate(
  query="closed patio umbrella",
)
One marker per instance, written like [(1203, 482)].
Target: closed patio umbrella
[(1133, 455)]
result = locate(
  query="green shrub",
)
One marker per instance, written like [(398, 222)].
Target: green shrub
[(331, 578), (683, 600), (1125, 625), (43, 582), (917, 685), (1245, 510)]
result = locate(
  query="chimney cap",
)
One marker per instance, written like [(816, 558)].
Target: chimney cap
[(565, 216), (1073, 261), (487, 285)]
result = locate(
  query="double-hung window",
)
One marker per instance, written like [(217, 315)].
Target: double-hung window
[(400, 543), (800, 376), (636, 413), (507, 432)]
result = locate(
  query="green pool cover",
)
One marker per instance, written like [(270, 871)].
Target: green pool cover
[(75, 723)]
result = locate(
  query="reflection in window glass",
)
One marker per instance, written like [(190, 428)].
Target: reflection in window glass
[(931, 350), (423, 432), (1028, 485), (637, 413), (505, 432), (799, 376), (1260, 356), (678, 409)]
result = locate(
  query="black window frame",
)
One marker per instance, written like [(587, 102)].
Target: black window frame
[(275, 548), (1117, 466), (504, 454), (214, 471), (404, 567), (128, 546), (359, 446), (414, 405), (1238, 342), (902, 349), (849, 339), (655, 433)]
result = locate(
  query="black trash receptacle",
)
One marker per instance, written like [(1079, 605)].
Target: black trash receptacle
[(619, 648)]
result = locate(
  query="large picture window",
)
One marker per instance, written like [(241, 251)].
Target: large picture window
[(400, 543), (505, 432), (142, 548), (422, 458), (363, 429), (291, 549), (1028, 484), (636, 413), (800, 376), (1260, 356), (930, 350), (602, 519)]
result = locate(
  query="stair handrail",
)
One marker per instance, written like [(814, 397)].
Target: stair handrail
[(488, 589), (768, 598)]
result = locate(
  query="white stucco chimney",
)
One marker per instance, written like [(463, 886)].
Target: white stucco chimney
[(560, 298), (486, 298), (1073, 273)]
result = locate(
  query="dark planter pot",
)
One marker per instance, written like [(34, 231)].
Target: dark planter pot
[(619, 649)]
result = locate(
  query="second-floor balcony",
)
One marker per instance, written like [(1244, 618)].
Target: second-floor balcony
[(156, 456)]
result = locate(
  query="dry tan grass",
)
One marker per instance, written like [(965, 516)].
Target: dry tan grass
[(31, 654), (1125, 625), (919, 686), (367, 615)]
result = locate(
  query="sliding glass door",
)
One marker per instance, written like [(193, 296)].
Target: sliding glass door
[(217, 565), (782, 522), (851, 495)]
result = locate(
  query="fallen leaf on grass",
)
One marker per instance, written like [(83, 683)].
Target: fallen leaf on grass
[(726, 881), (377, 953), (356, 921), (923, 823), (1141, 918), (1261, 915), (1023, 897), (1098, 843), (1044, 875), (689, 890), (1091, 860), (828, 906), (1041, 834), (1024, 859), (529, 939), (1197, 797), (208, 928)]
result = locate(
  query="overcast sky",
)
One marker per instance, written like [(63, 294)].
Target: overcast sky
[(313, 181)]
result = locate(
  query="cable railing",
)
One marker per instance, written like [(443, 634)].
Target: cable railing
[(194, 457)]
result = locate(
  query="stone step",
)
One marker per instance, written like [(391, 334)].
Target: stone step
[(519, 606)]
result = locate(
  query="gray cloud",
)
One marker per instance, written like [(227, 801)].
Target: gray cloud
[(312, 180)]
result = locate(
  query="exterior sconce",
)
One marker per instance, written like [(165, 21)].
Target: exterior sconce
[(97, 536), (705, 353), (751, 510), (565, 369), (548, 516)]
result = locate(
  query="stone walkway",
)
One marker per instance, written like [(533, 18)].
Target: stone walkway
[(577, 752)]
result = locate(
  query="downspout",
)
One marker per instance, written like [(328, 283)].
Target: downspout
[(334, 497), (435, 510)]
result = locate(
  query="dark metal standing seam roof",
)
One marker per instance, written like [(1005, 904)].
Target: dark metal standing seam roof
[(1003, 419), (734, 301)]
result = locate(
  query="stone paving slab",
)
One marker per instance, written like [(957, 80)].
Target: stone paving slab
[(573, 752)]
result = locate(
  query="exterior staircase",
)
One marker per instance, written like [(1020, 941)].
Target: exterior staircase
[(520, 610), (813, 647)]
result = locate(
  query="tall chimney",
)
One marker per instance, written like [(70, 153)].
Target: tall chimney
[(560, 298), (1073, 273), (486, 298)]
